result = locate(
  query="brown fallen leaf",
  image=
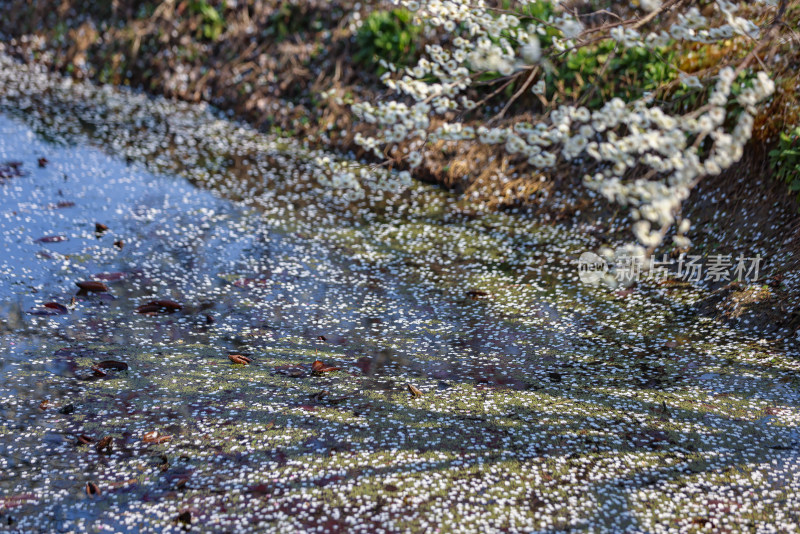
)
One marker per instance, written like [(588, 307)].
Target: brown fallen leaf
[(42, 311), (100, 229), (318, 368), (42, 162), (148, 309), (321, 338), (112, 364), (168, 304), (239, 359), (83, 439), (476, 294), (105, 445), (99, 372), (60, 308), (160, 306), (92, 286), (364, 363), (45, 404), (155, 437), (49, 308), (92, 489), (119, 243), (184, 517), (414, 391)]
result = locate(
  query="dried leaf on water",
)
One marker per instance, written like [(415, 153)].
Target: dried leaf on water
[(105, 445), (119, 243), (112, 364), (56, 306), (239, 359), (318, 368), (413, 390), (45, 404), (155, 437), (159, 306), (100, 229), (49, 308), (83, 439), (92, 286), (42, 311), (364, 363), (184, 518), (92, 489)]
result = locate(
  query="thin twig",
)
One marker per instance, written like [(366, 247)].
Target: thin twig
[(510, 81), (523, 87)]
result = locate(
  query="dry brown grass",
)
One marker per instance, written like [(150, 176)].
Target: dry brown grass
[(274, 82)]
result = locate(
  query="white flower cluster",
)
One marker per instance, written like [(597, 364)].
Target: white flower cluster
[(641, 155), (690, 26)]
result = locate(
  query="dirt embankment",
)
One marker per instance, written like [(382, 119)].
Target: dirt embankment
[(269, 61)]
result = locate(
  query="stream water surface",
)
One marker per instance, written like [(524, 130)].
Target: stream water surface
[(470, 382)]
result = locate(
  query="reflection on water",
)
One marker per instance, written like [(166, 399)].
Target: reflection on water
[(242, 282)]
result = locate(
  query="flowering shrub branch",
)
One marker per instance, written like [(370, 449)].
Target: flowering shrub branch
[(636, 153)]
